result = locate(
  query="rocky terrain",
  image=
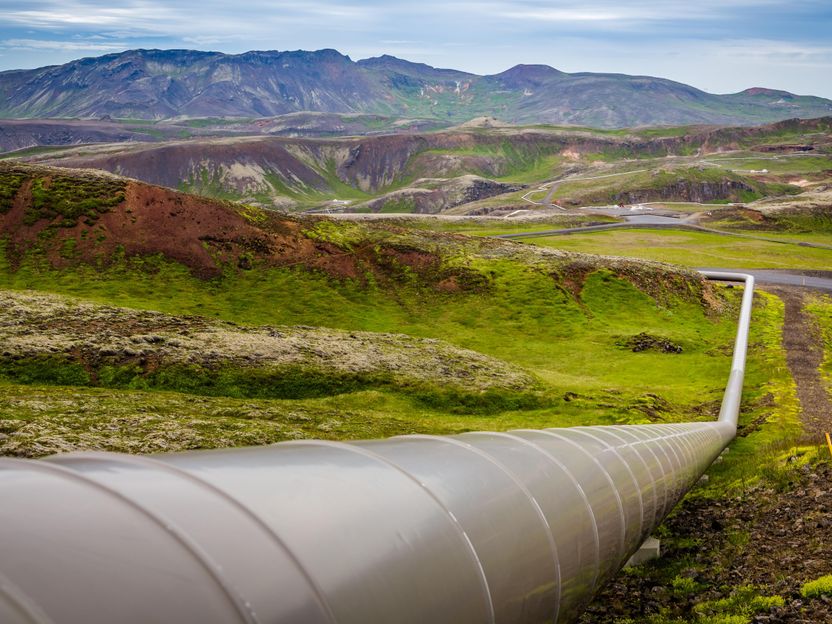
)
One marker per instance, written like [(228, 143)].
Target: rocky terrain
[(119, 347), (22, 134), (163, 84), (434, 195), (69, 217), (466, 165), (745, 557)]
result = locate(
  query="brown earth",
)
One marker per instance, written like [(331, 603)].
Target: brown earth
[(248, 165), (773, 537), (211, 237), (804, 355), (203, 234)]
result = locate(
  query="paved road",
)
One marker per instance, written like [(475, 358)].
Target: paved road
[(816, 280)]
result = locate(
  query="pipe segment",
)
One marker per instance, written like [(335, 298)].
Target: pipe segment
[(518, 526)]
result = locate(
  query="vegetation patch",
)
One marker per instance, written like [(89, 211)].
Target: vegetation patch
[(738, 558), (11, 180), (819, 307), (693, 249), (646, 342), (53, 340), (72, 197), (818, 588), (546, 316)]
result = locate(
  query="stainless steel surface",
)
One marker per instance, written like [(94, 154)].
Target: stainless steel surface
[(521, 526)]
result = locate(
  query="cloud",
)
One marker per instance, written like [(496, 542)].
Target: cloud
[(777, 52), (52, 16), (208, 18), (564, 15), (720, 42), (211, 39), (70, 46)]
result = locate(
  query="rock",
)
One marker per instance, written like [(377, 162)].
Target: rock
[(646, 342)]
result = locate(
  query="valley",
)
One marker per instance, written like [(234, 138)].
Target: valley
[(478, 170), (195, 293), (278, 270), (506, 312)]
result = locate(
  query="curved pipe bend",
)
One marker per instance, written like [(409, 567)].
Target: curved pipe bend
[(730, 409)]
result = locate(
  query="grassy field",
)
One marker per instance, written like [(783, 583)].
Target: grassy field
[(494, 227), (565, 322), (694, 249), (821, 310), (522, 315), (822, 238), (785, 164)]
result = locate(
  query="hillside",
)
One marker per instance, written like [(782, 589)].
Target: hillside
[(23, 136), (280, 327), (462, 167), (163, 84), (138, 319)]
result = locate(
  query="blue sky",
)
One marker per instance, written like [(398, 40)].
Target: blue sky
[(721, 46)]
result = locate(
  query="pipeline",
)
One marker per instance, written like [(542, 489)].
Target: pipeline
[(522, 526)]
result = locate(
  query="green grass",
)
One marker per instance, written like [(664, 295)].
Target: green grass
[(694, 249), (73, 197), (808, 222), (58, 195), (521, 163), (606, 190), (779, 165), (10, 183), (495, 227), (769, 427), (45, 417), (744, 602), (820, 308), (817, 588), (522, 317)]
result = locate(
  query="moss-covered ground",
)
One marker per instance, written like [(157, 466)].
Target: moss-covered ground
[(820, 308), (695, 249), (568, 339)]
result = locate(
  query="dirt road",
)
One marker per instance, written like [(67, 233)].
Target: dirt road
[(804, 355)]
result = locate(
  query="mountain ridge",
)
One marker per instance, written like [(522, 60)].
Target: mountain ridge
[(163, 84)]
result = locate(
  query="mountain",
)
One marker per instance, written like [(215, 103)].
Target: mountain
[(165, 84)]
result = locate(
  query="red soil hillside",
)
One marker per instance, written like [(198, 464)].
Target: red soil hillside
[(82, 216)]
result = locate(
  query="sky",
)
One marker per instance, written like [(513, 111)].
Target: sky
[(721, 46)]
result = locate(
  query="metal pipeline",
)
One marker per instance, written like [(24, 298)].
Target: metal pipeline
[(521, 526)]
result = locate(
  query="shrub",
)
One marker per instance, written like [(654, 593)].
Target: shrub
[(817, 588)]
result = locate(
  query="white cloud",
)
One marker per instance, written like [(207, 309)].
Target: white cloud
[(773, 52), (211, 39), (70, 46), (714, 44), (63, 15), (564, 15)]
